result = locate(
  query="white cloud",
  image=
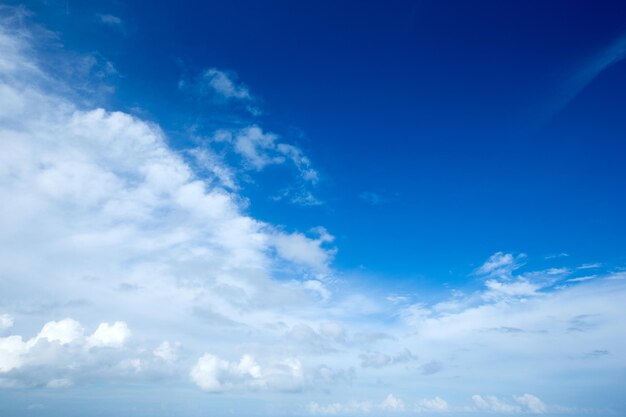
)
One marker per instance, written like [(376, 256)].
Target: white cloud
[(213, 374), (436, 404), (110, 20), (107, 335), (59, 383), (260, 149), (257, 147), (532, 403), (500, 265), (6, 321), (225, 85), (54, 344), (166, 351), (492, 403), (354, 407), (300, 249), (392, 403), (64, 331)]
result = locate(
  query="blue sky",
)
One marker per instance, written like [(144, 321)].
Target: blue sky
[(293, 208)]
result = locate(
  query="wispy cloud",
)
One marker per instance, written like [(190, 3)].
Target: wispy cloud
[(604, 59), (223, 86), (372, 198), (110, 20)]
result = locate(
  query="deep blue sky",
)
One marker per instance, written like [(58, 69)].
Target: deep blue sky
[(461, 116)]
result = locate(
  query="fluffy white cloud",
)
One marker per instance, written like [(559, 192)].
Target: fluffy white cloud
[(64, 331), (213, 374), (54, 343), (532, 403), (436, 404), (166, 351), (392, 403), (110, 335)]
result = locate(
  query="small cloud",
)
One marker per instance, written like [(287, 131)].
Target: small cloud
[(392, 403), (431, 368), (598, 353), (557, 255), (436, 405), (6, 321), (582, 279), (372, 198), (225, 84), (590, 266), (533, 404), (222, 86), (397, 299), (500, 265), (374, 360), (59, 383), (504, 329), (166, 351), (110, 20), (493, 404)]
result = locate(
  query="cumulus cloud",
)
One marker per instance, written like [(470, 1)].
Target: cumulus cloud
[(436, 404), (532, 403), (103, 199), (392, 403), (166, 351), (55, 342), (213, 374), (107, 335)]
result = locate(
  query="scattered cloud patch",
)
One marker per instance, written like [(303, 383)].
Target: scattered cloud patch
[(372, 198), (433, 405), (110, 20), (532, 403), (6, 321)]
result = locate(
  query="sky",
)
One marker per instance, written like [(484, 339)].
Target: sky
[(278, 208)]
